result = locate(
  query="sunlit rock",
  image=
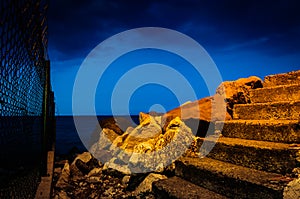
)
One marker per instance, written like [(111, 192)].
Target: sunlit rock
[(64, 177), (146, 185)]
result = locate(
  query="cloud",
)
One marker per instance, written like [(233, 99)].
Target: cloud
[(76, 27)]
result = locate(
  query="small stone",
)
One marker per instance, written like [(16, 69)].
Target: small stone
[(160, 168), (62, 195), (94, 179), (95, 172), (125, 180)]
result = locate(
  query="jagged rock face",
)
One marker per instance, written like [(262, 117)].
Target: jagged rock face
[(157, 153), (237, 92), (148, 129), (146, 147), (116, 124), (100, 148)]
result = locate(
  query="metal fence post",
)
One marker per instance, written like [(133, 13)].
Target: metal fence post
[(46, 119)]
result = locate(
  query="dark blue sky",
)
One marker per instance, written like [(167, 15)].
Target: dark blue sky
[(243, 38)]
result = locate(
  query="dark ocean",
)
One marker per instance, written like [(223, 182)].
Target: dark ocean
[(67, 137)]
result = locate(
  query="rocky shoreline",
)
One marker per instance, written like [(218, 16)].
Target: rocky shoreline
[(86, 177), (124, 163)]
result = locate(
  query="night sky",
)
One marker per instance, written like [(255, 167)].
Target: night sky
[(243, 38)]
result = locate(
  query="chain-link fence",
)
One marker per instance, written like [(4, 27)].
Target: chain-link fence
[(23, 96)]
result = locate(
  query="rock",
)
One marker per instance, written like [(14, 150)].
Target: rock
[(179, 137), (63, 180), (169, 170), (84, 157), (116, 124), (148, 129), (145, 147), (198, 115), (292, 190), (161, 143), (200, 109), (119, 141), (83, 164), (95, 172), (155, 154), (111, 124), (160, 168), (296, 172), (62, 195), (146, 185), (144, 118), (125, 180), (237, 92), (93, 179), (107, 136), (194, 149), (116, 169)]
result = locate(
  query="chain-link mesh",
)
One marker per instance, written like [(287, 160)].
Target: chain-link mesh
[(23, 43)]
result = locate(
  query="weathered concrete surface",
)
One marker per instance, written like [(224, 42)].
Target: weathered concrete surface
[(282, 79), (275, 94), (287, 131), (231, 180), (289, 110), (178, 188), (266, 156), (45, 187), (237, 92)]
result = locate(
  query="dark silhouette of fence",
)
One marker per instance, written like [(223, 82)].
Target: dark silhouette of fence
[(26, 99)]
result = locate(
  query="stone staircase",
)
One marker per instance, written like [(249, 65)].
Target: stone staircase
[(256, 154)]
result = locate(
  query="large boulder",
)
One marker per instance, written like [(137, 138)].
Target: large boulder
[(156, 154), (144, 148)]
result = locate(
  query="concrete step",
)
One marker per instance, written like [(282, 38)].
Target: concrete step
[(261, 155), (287, 131), (289, 110), (231, 180), (179, 188), (282, 79), (275, 94)]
